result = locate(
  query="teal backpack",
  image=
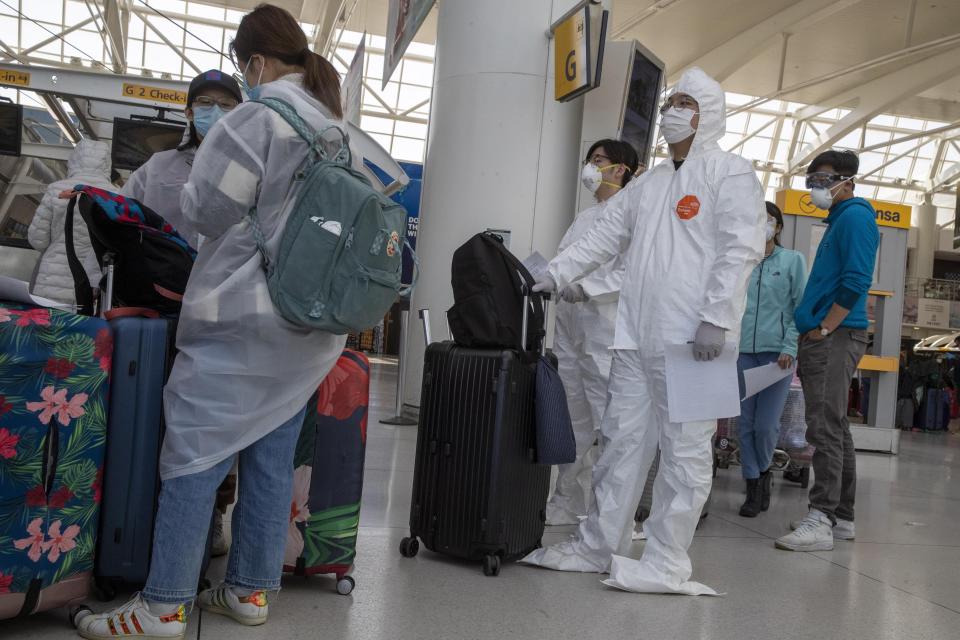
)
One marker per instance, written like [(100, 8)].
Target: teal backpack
[(340, 256)]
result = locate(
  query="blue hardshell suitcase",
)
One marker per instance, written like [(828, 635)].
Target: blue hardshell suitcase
[(134, 435)]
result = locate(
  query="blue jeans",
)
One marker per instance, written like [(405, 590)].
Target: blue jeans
[(259, 527), (758, 426)]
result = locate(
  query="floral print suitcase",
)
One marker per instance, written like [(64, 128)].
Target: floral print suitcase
[(54, 381), (328, 475)]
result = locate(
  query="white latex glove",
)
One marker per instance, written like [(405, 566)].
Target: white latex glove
[(545, 283), (573, 293), (708, 343)]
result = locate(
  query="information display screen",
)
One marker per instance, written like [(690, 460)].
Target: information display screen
[(11, 128), (640, 114), (134, 141)]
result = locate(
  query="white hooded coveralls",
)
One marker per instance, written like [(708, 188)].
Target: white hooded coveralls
[(690, 238), (89, 163), (584, 333), (242, 370)]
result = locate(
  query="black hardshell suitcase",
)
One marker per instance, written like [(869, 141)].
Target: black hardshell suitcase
[(478, 492)]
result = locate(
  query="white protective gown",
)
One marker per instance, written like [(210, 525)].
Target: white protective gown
[(690, 238), (158, 184), (241, 370), (584, 334)]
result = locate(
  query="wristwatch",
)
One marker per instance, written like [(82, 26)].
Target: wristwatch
[(823, 331)]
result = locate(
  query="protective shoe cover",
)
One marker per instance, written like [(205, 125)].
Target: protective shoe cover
[(631, 430), (241, 370), (638, 576), (584, 333), (690, 238)]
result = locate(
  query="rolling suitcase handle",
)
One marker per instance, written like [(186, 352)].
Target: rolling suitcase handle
[(545, 297)]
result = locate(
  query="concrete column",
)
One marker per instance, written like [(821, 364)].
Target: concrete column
[(500, 152), (928, 239)]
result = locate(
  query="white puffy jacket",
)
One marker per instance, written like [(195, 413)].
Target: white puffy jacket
[(88, 164)]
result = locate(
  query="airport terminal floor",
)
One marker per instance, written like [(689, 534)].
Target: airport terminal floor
[(898, 580)]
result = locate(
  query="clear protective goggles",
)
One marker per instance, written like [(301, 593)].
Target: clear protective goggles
[(824, 179)]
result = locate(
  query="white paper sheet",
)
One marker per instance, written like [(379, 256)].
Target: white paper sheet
[(701, 390), (15, 290), (536, 264), (759, 378)]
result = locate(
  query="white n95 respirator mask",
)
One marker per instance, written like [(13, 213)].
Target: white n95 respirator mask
[(591, 177), (675, 124)]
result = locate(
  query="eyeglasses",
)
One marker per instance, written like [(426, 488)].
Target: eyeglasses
[(227, 104), (680, 102), (596, 158), (824, 179)]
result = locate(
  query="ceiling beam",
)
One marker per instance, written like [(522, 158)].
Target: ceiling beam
[(657, 7), (724, 60), (877, 95)]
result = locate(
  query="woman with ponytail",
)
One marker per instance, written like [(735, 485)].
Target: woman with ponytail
[(242, 377)]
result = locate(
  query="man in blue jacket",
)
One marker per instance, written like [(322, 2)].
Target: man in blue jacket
[(832, 322)]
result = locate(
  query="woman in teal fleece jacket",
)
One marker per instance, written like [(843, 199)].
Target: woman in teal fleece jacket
[(767, 335)]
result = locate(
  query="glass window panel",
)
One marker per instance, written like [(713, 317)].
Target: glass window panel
[(898, 169), (377, 42), (8, 27), (206, 60), (235, 15), (951, 154), (48, 11), (870, 161), (787, 131), (944, 200), (945, 215), (875, 136), (371, 124), (889, 194), (849, 141), (203, 35), (921, 169), (798, 182), (910, 123), (780, 156), (374, 66), (172, 30), (410, 129), (383, 140), (737, 123), (903, 147), (75, 11), (31, 34), (728, 140), (205, 11), (928, 150), (755, 149), (421, 49), (757, 120), (135, 28), (419, 73), (736, 99), (90, 43), (159, 57), (884, 120), (178, 6), (410, 96), (135, 52), (407, 149)]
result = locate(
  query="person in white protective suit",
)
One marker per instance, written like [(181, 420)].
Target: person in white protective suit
[(243, 375), (690, 231), (584, 333), (89, 163), (159, 181)]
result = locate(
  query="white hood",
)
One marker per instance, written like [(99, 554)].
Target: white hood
[(89, 158), (713, 108)]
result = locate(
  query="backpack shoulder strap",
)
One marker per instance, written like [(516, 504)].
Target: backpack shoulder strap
[(310, 135), (81, 283)]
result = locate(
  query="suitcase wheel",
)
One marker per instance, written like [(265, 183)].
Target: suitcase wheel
[(104, 589), (79, 613), (491, 565), (345, 585), (409, 547)]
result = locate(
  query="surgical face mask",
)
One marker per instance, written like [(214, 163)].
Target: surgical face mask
[(253, 93), (592, 176), (675, 124), (771, 229), (205, 117)]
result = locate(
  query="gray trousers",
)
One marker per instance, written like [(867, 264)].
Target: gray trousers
[(826, 368)]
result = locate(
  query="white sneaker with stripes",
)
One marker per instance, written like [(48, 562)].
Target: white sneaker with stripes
[(133, 620), (250, 610)]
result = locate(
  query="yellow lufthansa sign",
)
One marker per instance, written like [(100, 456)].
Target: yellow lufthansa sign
[(572, 50), (15, 78), (889, 214), (155, 94)]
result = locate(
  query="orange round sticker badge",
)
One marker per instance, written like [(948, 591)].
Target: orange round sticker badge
[(688, 207)]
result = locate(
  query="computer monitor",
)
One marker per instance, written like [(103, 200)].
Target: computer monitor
[(134, 141), (643, 95), (11, 128)]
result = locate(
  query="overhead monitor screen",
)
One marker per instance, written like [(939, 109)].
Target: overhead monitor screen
[(640, 115), (134, 141), (11, 128)]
